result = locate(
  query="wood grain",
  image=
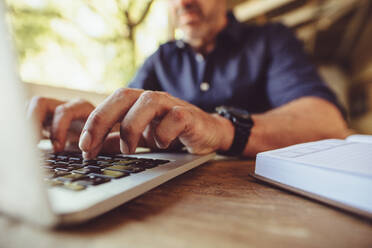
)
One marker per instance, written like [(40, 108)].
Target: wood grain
[(215, 205)]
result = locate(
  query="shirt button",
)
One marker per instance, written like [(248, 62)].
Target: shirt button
[(180, 44), (199, 57), (204, 86)]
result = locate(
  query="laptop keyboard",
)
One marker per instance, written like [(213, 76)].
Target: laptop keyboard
[(71, 171)]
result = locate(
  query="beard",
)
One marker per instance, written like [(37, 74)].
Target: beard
[(194, 23), (199, 26), (195, 36)]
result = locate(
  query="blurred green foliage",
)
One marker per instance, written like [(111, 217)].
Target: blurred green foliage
[(91, 30), (28, 25)]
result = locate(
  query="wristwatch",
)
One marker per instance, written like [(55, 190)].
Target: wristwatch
[(243, 123)]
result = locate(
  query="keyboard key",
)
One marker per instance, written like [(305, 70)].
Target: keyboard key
[(104, 157), (61, 163), (50, 155), (110, 174), (64, 169), (49, 173), (125, 168), (89, 162), (53, 174), (49, 163), (75, 159), (75, 155), (59, 173), (74, 186), (87, 170), (75, 165), (125, 162), (62, 160), (53, 182), (105, 162), (102, 166), (71, 177), (50, 167), (63, 157), (92, 180)]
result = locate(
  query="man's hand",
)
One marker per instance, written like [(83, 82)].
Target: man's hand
[(55, 118), (154, 118)]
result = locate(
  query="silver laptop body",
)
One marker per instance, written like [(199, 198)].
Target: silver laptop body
[(23, 191)]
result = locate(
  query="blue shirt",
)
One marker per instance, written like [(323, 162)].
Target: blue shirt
[(256, 68)]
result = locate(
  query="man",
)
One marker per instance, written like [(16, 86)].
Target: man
[(262, 70)]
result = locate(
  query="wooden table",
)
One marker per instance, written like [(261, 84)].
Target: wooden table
[(215, 205)]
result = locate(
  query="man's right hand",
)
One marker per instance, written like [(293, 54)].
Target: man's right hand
[(54, 119)]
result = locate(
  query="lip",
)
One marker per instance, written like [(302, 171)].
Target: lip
[(190, 17), (185, 11)]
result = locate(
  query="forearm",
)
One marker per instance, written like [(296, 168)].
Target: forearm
[(303, 120)]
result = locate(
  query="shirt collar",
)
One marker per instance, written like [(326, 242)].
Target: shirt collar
[(233, 30)]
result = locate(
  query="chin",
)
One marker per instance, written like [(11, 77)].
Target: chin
[(191, 24), (193, 31), (194, 37)]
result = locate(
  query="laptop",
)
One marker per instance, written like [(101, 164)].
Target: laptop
[(62, 189)]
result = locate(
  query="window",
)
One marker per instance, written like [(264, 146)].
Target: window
[(90, 45)]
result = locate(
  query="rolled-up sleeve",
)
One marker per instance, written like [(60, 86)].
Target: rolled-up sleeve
[(290, 73)]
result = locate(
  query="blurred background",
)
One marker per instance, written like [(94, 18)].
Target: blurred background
[(88, 48)]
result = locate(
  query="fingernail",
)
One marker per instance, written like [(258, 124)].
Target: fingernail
[(85, 141), (56, 146), (86, 155), (161, 145), (124, 147)]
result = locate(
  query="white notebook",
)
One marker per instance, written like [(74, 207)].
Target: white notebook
[(338, 172)]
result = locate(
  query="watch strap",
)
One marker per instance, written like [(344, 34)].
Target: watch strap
[(242, 130), (239, 143)]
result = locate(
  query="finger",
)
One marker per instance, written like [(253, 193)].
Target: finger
[(112, 144), (148, 139), (180, 119), (92, 154), (149, 106), (148, 136), (40, 110), (104, 117), (64, 114)]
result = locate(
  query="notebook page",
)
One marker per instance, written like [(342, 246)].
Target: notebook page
[(360, 138), (348, 157)]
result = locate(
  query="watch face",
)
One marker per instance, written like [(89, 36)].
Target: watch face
[(240, 113), (236, 115)]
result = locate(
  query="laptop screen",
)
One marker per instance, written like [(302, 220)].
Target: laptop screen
[(20, 177)]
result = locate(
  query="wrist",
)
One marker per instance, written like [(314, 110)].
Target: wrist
[(225, 132), (242, 122)]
